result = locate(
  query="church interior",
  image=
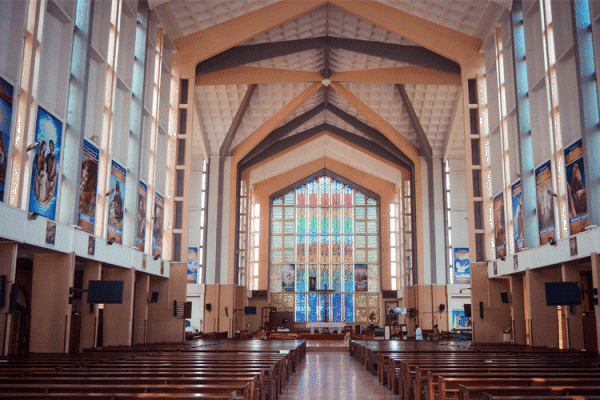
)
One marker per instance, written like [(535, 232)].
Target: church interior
[(310, 170)]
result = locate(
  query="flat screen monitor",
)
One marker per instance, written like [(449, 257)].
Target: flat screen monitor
[(105, 292), (563, 294), (249, 310)]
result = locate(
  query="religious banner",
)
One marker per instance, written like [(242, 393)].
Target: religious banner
[(288, 278), (157, 226), (140, 236), (87, 187), (462, 268), (44, 171), (517, 206), (192, 265), (578, 215), (6, 102), (118, 175), (499, 226), (361, 278), (545, 202)]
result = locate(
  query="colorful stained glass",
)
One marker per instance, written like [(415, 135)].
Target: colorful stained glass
[(313, 191), (336, 249), (372, 242), (348, 278), (312, 307), (373, 285), (301, 221), (313, 249), (276, 256), (301, 196), (336, 221), (288, 241), (371, 202), (373, 271), (290, 213), (278, 201), (312, 277), (324, 283), (324, 221), (360, 227), (289, 255), (336, 307), (277, 227), (348, 248), (336, 277), (359, 198), (360, 242), (300, 277), (348, 221), (276, 242), (300, 307), (313, 221), (277, 213), (289, 227), (348, 195), (288, 199), (373, 256), (324, 186), (336, 193), (360, 256), (288, 277), (349, 307), (301, 249), (371, 212), (324, 251)]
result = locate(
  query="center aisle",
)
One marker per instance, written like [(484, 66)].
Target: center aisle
[(333, 376)]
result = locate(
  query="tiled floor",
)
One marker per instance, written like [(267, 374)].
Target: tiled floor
[(333, 376)]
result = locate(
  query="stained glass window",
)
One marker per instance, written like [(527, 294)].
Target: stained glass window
[(327, 229)]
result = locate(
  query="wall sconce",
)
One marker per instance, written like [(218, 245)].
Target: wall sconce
[(33, 146), (552, 241), (461, 290), (111, 191), (551, 193), (156, 257), (110, 241), (32, 215), (502, 258)]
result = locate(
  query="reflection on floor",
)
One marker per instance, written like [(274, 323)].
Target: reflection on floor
[(327, 374)]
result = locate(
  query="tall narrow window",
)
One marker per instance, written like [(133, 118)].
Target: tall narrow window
[(243, 233), (395, 244), (202, 241), (408, 254), (254, 246)]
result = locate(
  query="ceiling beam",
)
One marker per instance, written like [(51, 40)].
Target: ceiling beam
[(373, 134), (447, 42), (454, 126), (285, 144), (412, 75), (209, 42), (414, 119), (242, 55), (402, 143), (237, 120), (274, 121), (248, 75)]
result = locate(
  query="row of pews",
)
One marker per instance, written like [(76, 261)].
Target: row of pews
[(424, 370), (201, 369)]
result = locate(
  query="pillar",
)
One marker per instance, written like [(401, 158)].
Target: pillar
[(140, 307), (8, 265), (516, 299), (163, 326), (573, 321), (118, 318), (543, 319), (596, 281), (92, 271), (50, 308)]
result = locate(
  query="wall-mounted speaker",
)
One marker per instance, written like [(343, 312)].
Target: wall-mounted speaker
[(481, 309), (504, 296), (259, 294), (442, 307), (208, 306)]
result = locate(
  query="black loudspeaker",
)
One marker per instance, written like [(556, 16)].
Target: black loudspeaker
[(467, 310), (504, 296), (2, 291), (442, 307), (208, 306), (154, 298), (481, 309)]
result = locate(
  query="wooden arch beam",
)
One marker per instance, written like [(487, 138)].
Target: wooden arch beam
[(411, 75)]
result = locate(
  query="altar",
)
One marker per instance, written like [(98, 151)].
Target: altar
[(317, 327)]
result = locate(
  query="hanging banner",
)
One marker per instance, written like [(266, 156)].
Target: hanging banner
[(192, 265), (44, 171), (545, 202), (499, 226), (462, 268), (288, 278), (115, 206), (87, 187), (140, 237), (157, 227), (578, 215), (517, 206), (6, 102), (361, 279)]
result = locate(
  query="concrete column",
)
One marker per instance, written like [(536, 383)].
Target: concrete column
[(596, 282), (439, 271), (118, 318), (426, 237), (489, 316), (8, 266), (140, 307), (50, 308), (543, 319), (518, 309), (212, 221), (92, 271), (573, 321)]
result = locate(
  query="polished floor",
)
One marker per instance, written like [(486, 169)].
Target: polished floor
[(333, 376)]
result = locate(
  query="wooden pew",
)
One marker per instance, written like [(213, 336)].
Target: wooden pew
[(477, 392)]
